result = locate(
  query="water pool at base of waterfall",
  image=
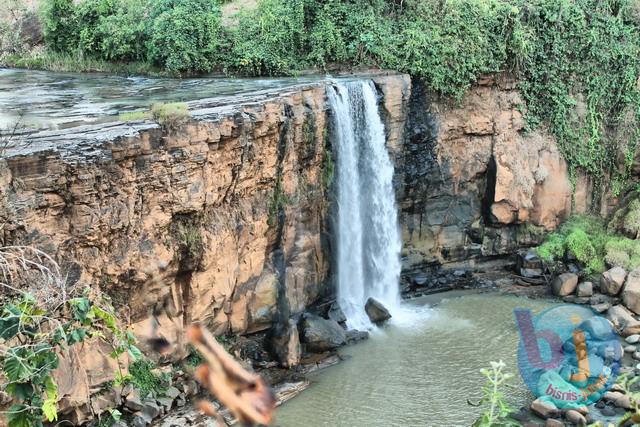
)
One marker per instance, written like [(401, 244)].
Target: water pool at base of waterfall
[(419, 373)]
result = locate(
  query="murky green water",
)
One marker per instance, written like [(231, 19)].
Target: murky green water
[(418, 373)]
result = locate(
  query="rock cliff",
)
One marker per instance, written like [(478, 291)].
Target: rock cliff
[(225, 219), (473, 183)]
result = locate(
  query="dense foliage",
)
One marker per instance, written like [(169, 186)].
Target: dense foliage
[(578, 61), (590, 243), (176, 35), (35, 334)]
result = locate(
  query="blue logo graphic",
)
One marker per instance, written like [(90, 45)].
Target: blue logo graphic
[(567, 354)]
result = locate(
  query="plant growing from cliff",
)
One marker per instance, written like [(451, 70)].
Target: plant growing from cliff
[(328, 169), (190, 240), (277, 202), (144, 377), (170, 115), (593, 245), (495, 408), (41, 314)]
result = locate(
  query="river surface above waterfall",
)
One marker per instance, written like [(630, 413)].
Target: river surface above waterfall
[(41, 99), (419, 372)]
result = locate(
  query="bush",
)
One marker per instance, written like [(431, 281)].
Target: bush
[(183, 34), (59, 25), (592, 245)]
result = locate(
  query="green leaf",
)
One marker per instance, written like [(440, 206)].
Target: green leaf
[(50, 388), (19, 415), (135, 352), (21, 391), (18, 364), (49, 409), (81, 308)]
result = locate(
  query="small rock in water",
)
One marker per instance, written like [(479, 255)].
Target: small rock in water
[(419, 279), (354, 335), (376, 311), (459, 273), (632, 339), (630, 349), (601, 307)]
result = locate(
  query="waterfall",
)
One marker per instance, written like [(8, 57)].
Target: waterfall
[(367, 233)]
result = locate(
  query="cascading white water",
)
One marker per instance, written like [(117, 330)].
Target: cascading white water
[(368, 237)]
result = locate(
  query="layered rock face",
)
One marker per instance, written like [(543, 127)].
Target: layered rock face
[(474, 183), (214, 220)]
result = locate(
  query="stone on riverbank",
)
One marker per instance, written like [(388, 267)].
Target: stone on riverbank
[(631, 291), (623, 320), (544, 409), (575, 417), (564, 284), (322, 334), (612, 280), (585, 289), (376, 311)]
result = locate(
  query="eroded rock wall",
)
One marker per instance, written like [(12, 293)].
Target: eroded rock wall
[(474, 183)]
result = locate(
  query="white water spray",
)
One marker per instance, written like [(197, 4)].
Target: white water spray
[(368, 237)]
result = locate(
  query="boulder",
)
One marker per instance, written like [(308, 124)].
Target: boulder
[(585, 289), (285, 344), (564, 284), (618, 399), (612, 280), (376, 311), (529, 264), (336, 313), (133, 401), (544, 409), (575, 418), (552, 422), (322, 334), (623, 320), (631, 291)]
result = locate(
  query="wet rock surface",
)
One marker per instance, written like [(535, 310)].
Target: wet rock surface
[(377, 312)]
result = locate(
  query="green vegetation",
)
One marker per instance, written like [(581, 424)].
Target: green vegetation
[(495, 408), (190, 240), (588, 240), (134, 116), (578, 61), (36, 334), (40, 315), (277, 202), (143, 375), (176, 35), (328, 169), (167, 115), (170, 115)]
